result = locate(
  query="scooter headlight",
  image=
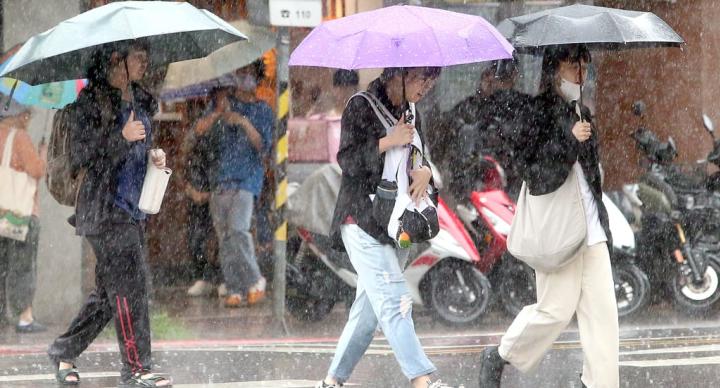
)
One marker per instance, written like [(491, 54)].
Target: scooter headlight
[(498, 223)]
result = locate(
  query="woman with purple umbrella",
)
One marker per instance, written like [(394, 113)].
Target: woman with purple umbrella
[(380, 123), (382, 296)]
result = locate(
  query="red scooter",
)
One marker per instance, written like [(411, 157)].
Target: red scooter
[(487, 216)]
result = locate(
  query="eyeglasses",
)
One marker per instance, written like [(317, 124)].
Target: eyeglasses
[(427, 82)]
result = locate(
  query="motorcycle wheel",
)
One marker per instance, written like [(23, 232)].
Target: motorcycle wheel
[(517, 285), (632, 289), (697, 299), (302, 298), (458, 292)]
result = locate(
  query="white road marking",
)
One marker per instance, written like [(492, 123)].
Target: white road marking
[(672, 362), (258, 384), (673, 350), (85, 375), (243, 384)]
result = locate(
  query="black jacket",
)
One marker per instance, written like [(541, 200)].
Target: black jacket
[(202, 161), (548, 150), (362, 164), (479, 126), (97, 146)]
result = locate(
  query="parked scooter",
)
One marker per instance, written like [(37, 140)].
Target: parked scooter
[(680, 224), (441, 273), (632, 285), (488, 216), (712, 182)]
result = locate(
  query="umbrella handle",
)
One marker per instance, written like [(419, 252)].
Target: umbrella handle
[(582, 82), (12, 92)]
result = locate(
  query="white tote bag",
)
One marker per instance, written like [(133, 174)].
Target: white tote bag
[(154, 186), (549, 230), (17, 196)]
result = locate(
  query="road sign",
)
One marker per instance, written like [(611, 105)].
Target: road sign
[(295, 13)]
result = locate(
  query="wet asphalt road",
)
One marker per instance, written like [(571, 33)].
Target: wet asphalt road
[(649, 358)]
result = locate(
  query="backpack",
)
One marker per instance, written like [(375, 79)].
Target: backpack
[(61, 182)]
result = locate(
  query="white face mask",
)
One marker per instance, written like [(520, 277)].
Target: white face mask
[(570, 91)]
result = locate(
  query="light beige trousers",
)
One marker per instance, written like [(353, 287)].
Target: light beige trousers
[(584, 287)]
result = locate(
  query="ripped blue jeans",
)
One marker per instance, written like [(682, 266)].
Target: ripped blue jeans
[(382, 297)]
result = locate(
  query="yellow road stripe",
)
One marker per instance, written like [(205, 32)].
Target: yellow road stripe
[(282, 149)]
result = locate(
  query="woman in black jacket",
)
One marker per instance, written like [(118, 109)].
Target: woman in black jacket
[(110, 139), (554, 144), (382, 295)]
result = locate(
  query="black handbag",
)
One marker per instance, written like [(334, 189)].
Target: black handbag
[(419, 226)]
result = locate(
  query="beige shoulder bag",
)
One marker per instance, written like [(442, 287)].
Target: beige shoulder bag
[(549, 230)]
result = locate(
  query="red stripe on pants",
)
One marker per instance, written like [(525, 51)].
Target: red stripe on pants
[(128, 334)]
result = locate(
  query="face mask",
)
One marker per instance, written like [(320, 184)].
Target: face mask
[(570, 91), (247, 83)]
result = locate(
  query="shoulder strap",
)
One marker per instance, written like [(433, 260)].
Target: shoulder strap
[(382, 114), (387, 119), (7, 151), (380, 110)]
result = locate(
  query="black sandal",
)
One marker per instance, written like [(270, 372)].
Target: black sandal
[(145, 379), (61, 375)]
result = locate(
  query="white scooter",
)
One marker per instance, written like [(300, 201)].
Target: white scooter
[(632, 286), (441, 273)]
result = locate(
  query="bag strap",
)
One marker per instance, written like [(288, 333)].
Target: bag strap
[(7, 151), (379, 106), (380, 110), (387, 120)]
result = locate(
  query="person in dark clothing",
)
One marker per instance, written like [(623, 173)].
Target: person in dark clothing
[(364, 142), (486, 122), (110, 141), (201, 164), (560, 139)]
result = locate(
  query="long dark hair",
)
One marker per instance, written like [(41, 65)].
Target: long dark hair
[(100, 61), (556, 54)]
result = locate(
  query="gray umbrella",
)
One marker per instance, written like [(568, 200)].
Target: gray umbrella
[(174, 31), (596, 27)]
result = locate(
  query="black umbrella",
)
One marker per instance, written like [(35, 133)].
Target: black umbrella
[(596, 27)]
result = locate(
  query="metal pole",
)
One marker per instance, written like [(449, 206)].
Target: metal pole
[(281, 182)]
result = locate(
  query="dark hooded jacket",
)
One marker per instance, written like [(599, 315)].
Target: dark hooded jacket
[(483, 126), (547, 150), (362, 164), (98, 147)]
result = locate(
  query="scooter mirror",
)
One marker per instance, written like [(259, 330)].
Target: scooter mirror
[(707, 122), (638, 108)]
